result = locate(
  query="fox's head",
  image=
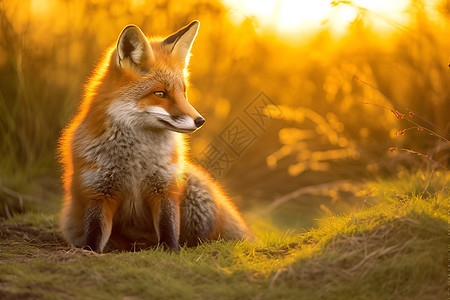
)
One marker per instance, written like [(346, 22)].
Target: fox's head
[(150, 75)]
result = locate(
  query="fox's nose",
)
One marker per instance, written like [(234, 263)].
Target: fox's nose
[(199, 121)]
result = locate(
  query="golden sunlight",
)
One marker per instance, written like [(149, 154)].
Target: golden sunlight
[(299, 16), (41, 7), (327, 137)]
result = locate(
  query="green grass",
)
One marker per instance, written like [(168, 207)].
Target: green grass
[(395, 247)]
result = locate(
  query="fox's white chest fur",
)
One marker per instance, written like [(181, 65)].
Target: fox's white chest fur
[(129, 162)]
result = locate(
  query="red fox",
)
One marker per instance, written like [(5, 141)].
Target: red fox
[(126, 177)]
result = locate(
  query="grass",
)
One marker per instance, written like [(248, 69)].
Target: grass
[(395, 247)]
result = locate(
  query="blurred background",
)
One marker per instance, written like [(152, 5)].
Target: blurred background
[(279, 83)]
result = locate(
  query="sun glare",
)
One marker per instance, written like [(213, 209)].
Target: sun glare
[(40, 7), (288, 17)]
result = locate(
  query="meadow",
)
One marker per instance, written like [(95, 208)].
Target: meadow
[(393, 247), (343, 173)]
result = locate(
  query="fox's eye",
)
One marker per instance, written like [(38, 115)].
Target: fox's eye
[(160, 94)]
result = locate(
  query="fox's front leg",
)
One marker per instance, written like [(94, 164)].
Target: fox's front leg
[(166, 218), (98, 224)]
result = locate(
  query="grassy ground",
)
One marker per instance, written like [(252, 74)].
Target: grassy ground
[(393, 247)]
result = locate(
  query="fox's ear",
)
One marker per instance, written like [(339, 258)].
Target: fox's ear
[(179, 44), (133, 48)]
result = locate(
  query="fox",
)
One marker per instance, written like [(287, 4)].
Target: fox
[(126, 173)]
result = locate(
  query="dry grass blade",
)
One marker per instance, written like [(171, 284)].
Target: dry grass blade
[(302, 191), (398, 105)]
